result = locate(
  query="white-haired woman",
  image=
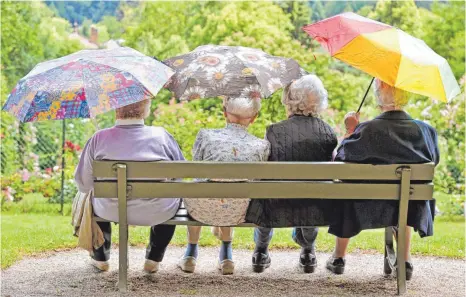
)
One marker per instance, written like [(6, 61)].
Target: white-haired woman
[(131, 140), (303, 137), (230, 144), (392, 137)]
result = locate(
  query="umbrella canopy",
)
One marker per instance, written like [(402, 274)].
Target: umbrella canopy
[(230, 71), (85, 84), (387, 53)]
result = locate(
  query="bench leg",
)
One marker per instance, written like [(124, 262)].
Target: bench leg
[(402, 223), (123, 225)]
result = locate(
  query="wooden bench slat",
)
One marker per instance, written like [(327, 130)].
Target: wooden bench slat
[(263, 170), (254, 190)]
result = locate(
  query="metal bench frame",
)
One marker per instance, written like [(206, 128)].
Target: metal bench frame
[(320, 180)]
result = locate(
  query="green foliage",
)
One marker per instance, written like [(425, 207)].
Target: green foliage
[(114, 27), (300, 15), (444, 31), (318, 11), (78, 11), (16, 186), (331, 8), (85, 28), (32, 33), (401, 14), (103, 34), (21, 45)]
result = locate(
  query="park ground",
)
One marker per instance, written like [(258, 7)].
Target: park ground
[(40, 258)]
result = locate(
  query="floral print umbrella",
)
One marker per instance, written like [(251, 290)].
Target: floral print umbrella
[(229, 71), (85, 84)]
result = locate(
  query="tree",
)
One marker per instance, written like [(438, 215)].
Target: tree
[(86, 28), (78, 11), (318, 11), (114, 27), (300, 15), (21, 46), (401, 14), (445, 33)]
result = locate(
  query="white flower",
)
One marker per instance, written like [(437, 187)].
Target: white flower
[(252, 92), (210, 60), (193, 93), (276, 65), (219, 77), (274, 84), (55, 168)]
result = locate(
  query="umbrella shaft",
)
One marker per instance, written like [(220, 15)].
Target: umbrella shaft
[(365, 95)]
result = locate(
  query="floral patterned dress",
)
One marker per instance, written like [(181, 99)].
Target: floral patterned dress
[(230, 144)]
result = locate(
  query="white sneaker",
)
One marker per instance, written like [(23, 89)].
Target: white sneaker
[(151, 266), (187, 264), (101, 265), (227, 266)]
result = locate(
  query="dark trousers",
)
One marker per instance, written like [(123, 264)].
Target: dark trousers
[(304, 236), (160, 236)]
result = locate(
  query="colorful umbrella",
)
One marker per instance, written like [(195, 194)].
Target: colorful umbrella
[(230, 71), (387, 53), (86, 83)]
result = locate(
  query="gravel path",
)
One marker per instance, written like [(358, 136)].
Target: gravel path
[(69, 274)]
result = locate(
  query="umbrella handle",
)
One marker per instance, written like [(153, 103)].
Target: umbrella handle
[(365, 95)]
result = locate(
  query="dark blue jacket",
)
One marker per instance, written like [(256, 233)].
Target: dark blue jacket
[(391, 138)]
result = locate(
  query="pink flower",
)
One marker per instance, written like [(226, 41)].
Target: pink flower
[(8, 192), (25, 175), (48, 170)]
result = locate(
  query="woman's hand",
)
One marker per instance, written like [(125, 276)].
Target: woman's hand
[(351, 121)]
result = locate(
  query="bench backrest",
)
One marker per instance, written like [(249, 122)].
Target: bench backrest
[(325, 180)]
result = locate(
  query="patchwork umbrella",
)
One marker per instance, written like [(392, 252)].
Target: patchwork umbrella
[(387, 53), (230, 71), (85, 84)]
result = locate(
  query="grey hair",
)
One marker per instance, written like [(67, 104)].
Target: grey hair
[(305, 96), (389, 96), (138, 110), (242, 107)]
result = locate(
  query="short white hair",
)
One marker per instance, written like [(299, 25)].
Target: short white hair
[(305, 96), (138, 110), (242, 107), (389, 96)]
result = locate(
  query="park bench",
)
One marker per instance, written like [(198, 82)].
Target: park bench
[(320, 180)]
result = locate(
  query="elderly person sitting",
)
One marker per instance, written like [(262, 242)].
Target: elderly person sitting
[(392, 137), (303, 137), (131, 140), (230, 144)]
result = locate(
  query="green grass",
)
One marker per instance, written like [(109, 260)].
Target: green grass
[(30, 234)]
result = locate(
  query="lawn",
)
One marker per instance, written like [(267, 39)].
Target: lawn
[(26, 234)]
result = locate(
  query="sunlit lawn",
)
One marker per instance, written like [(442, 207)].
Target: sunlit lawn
[(29, 234)]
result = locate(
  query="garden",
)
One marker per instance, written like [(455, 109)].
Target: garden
[(31, 154)]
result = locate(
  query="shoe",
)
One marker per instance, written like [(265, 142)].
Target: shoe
[(151, 266), (260, 262), (101, 265), (227, 266), (308, 262), (187, 264), (409, 270), (336, 265)]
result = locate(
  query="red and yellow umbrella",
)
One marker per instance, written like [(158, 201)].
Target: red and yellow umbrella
[(387, 53)]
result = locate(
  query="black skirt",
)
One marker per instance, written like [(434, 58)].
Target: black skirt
[(357, 215), (273, 213)]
